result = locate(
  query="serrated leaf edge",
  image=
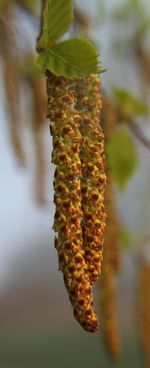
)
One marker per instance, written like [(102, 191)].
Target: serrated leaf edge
[(78, 70)]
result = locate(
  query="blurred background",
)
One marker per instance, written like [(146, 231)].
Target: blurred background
[(37, 326)]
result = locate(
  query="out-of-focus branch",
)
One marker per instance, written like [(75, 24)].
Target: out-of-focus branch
[(139, 134), (111, 113), (144, 62), (135, 129), (43, 4), (81, 20)]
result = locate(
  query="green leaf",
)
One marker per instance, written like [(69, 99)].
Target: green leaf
[(128, 104), (28, 68), (57, 18), (74, 58), (122, 157), (126, 238)]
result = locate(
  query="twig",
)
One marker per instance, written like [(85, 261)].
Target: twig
[(139, 134)]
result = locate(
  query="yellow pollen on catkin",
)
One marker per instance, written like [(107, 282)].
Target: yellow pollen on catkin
[(93, 179), (67, 139)]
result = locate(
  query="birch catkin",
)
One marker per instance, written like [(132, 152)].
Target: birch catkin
[(110, 118), (39, 109), (112, 233), (12, 91), (66, 147), (93, 179), (108, 286), (10, 55), (144, 304), (110, 327), (112, 252)]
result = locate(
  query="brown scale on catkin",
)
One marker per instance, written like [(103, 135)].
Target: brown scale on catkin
[(110, 267), (144, 304), (66, 147), (93, 179)]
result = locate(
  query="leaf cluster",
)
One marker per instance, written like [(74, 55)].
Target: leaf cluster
[(74, 58)]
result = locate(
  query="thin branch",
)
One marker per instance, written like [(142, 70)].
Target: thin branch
[(139, 134), (43, 4)]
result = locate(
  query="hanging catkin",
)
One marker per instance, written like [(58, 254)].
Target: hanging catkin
[(110, 118), (13, 109), (109, 319), (66, 147), (144, 304), (9, 53), (112, 233), (37, 84), (108, 287), (93, 179), (112, 253)]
